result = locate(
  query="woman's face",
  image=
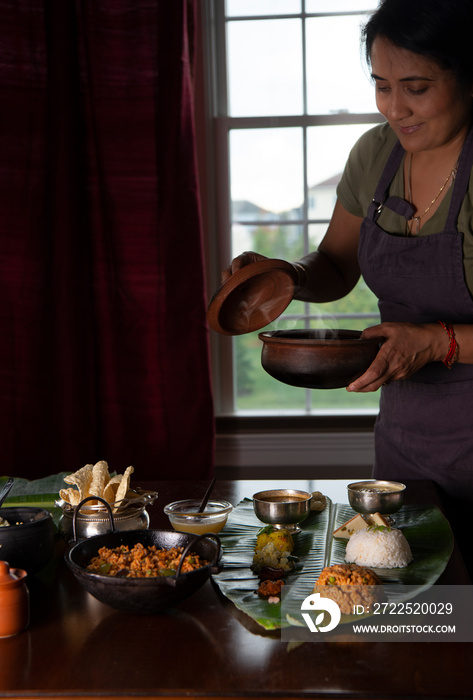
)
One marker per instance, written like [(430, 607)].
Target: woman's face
[(423, 103)]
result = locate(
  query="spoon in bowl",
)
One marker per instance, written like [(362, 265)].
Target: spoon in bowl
[(205, 499), (6, 489)]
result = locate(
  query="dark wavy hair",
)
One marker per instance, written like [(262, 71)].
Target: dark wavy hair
[(441, 30)]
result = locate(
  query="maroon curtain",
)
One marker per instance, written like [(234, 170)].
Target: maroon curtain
[(103, 338)]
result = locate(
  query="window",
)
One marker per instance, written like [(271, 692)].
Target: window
[(291, 95)]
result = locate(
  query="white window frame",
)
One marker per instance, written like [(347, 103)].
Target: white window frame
[(218, 125)]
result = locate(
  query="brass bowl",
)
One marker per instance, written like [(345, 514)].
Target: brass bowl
[(376, 496), (316, 359), (282, 508)]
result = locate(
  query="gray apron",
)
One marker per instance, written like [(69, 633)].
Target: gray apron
[(425, 425)]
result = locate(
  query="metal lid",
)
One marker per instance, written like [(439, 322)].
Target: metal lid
[(252, 297)]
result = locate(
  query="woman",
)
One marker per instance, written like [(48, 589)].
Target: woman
[(404, 220)]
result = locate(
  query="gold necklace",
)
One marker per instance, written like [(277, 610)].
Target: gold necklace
[(417, 219)]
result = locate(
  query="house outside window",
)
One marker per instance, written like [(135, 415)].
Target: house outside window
[(289, 96)]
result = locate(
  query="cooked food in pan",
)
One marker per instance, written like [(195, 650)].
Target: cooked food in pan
[(142, 562)]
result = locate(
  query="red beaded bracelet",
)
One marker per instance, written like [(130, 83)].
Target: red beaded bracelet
[(452, 354)]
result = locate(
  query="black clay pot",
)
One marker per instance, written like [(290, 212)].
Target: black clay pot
[(144, 595), (30, 544)]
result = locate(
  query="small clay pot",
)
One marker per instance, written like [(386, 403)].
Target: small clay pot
[(14, 601)]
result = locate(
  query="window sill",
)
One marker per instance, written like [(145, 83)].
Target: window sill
[(294, 446), (298, 422)]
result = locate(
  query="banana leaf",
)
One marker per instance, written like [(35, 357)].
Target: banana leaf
[(425, 528), (40, 493)]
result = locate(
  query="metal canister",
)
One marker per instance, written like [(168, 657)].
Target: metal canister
[(95, 520)]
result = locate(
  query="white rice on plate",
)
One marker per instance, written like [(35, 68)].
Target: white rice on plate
[(382, 548)]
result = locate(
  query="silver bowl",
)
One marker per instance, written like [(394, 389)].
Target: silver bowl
[(376, 496), (282, 508)]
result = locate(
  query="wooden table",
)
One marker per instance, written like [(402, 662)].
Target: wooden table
[(76, 646)]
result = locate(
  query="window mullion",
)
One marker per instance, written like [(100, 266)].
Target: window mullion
[(305, 226)]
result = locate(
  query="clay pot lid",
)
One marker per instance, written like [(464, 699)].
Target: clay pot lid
[(10, 577), (252, 297)]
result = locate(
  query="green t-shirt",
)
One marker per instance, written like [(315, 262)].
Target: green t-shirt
[(360, 178)]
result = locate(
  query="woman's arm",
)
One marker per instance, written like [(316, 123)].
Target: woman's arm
[(328, 273), (332, 271)]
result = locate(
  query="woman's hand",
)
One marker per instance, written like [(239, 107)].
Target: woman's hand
[(240, 261), (406, 348)]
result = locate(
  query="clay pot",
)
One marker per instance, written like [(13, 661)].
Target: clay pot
[(28, 542), (14, 601), (316, 359)]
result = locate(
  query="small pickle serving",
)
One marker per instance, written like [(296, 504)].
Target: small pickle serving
[(143, 562)]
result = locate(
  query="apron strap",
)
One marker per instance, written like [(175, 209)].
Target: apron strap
[(462, 180), (401, 206), (380, 199)]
